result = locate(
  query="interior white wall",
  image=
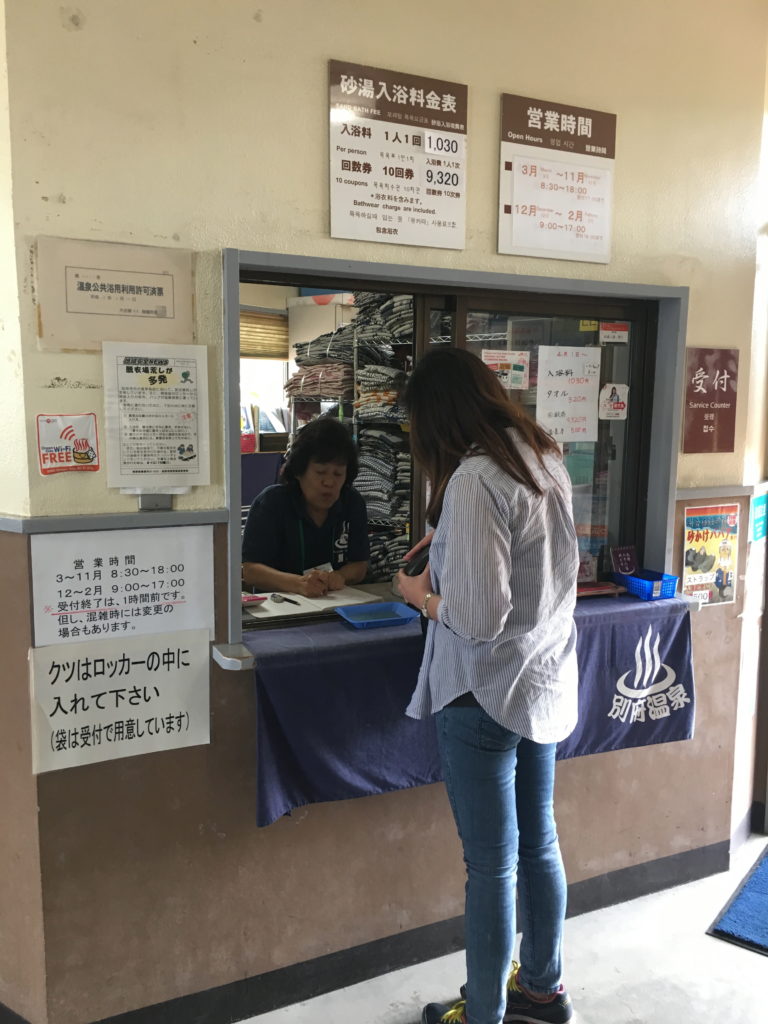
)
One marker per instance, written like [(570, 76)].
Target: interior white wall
[(267, 296), (13, 476)]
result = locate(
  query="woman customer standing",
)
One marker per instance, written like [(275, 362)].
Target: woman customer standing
[(499, 672)]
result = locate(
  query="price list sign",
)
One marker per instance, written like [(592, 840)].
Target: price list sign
[(556, 180), (398, 153), (567, 392)]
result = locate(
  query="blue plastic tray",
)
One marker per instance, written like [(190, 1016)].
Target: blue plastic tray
[(382, 613)]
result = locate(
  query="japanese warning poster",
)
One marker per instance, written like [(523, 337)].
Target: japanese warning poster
[(90, 586), (555, 180), (711, 546), (398, 148), (118, 697), (156, 413), (567, 392)]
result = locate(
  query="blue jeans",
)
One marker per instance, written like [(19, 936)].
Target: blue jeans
[(500, 786)]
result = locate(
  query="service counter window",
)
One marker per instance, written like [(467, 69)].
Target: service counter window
[(585, 365), (582, 366)]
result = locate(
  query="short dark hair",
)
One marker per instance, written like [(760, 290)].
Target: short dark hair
[(325, 439)]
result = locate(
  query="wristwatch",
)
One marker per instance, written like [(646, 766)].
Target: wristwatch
[(424, 609)]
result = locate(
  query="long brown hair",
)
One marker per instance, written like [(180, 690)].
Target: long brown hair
[(457, 407)]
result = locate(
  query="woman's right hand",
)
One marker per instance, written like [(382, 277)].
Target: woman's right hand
[(417, 547)]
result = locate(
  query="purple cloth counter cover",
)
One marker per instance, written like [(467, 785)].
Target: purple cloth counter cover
[(331, 700)]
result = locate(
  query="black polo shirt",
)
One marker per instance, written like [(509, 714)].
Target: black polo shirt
[(279, 532)]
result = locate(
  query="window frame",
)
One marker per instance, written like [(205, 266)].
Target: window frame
[(642, 352), (661, 440)]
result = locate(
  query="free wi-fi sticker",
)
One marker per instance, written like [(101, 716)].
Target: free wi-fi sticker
[(67, 443)]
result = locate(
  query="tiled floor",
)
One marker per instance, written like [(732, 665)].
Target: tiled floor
[(644, 962)]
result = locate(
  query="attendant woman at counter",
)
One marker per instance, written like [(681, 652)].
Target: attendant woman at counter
[(308, 534)]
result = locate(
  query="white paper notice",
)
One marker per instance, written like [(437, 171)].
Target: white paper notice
[(614, 333), (156, 413), (87, 586), (88, 291), (512, 368), (567, 392), (398, 157), (119, 697), (559, 209), (528, 332)]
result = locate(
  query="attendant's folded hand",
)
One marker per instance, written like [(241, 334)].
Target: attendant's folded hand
[(315, 584), (336, 581)]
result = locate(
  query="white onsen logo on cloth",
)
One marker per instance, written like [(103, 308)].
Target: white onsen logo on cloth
[(650, 689), (342, 542)]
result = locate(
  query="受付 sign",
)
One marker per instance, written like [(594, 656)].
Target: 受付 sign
[(712, 378)]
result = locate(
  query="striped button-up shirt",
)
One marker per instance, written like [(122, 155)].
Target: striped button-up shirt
[(504, 561)]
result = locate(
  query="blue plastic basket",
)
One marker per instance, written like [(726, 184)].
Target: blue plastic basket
[(647, 584)]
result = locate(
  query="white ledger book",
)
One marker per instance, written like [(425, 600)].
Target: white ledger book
[(271, 609)]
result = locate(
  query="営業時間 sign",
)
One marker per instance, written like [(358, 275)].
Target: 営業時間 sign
[(106, 583), (398, 157), (555, 180)]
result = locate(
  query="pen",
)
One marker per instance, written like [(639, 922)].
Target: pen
[(279, 598)]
